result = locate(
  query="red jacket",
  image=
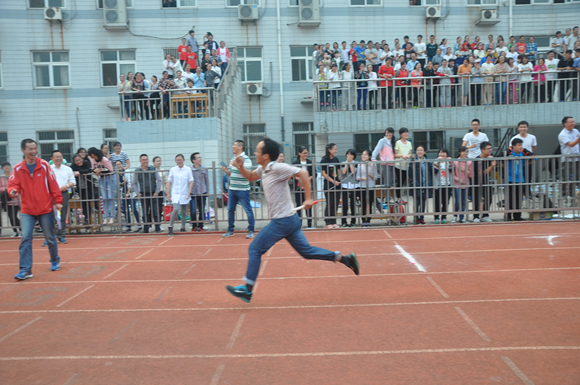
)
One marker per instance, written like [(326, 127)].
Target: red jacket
[(38, 194)]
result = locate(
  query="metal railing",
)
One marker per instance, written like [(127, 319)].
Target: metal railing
[(452, 91), (500, 188)]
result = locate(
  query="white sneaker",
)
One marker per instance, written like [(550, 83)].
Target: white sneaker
[(454, 220), (486, 219), (476, 220), (463, 221)]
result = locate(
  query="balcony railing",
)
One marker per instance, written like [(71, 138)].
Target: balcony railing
[(437, 92)]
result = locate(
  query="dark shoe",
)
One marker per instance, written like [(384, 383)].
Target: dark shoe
[(241, 292), (62, 240), (228, 234), (146, 230), (351, 262), (158, 230), (139, 229), (183, 230), (170, 232)]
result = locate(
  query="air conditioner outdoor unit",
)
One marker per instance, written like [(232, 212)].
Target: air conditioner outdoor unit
[(247, 12), (308, 13), (254, 89), (432, 12), (115, 14), (51, 14), (488, 17)]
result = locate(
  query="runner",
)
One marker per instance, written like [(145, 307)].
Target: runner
[(285, 222)]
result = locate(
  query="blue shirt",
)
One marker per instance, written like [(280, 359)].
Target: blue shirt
[(361, 52), (576, 63), (484, 59), (31, 168), (516, 169), (531, 47), (411, 64), (198, 80)]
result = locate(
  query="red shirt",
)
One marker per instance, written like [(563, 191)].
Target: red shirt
[(521, 48), (192, 60), (386, 71), (182, 52), (403, 74)]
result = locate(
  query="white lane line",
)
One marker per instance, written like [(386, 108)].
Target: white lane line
[(122, 332), (167, 240), (218, 373), (145, 253), (410, 258), (388, 235), (517, 371), (20, 328), (204, 254), (473, 325), (236, 331), (72, 379), (269, 251), (313, 354), (549, 238), (122, 267), (444, 294), (74, 296), (262, 268), (219, 240), (189, 269), (294, 307), (163, 294)]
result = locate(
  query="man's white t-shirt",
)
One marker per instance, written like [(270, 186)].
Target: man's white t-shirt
[(525, 77), (552, 66), (566, 136), (471, 139), (529, 141), (421, 47)]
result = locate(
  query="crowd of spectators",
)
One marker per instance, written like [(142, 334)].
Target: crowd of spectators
[(461, 73), (199, 67)]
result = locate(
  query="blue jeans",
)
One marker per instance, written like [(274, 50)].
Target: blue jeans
[(500, 92), (47, 225), (277, 229), (200, 202), (460, 196), (243, 196), (361, 93), (108, 187), (129, 204)]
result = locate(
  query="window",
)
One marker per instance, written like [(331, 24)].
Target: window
[(3, 147), (301, 58), (51, 69), (250, 62), (303, 137), (365, 2), (426, 2), (253, 134), (481, 2), (1, 80), (294, 3), (46, 3), (114, 63), (178, 3), (129, 4), (56, 140), (109, 136), (542, 2), (235, 3), (432, 140), (172, 51), (366, 142)]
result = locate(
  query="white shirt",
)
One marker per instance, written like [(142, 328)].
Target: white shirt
[(470, 138), (373, 85), (529, 141), (345, 53), (525, 77), (421, 47), (64, 175), (552, 66), (166, 64), (566, 136), (180, 179)]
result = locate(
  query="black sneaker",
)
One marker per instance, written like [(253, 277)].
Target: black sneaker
[(351, 262), (241, 292), (170, 232)]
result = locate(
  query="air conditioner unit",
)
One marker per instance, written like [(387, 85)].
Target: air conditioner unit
[(308, 13), (432, 12), (488, 17), (247, 12), (115, 14), (52, 14), (254, 89)]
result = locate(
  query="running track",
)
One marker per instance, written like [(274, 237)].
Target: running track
[(495, 304)]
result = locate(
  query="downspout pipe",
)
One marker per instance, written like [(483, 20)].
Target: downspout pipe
[(510, 17), (280, 79)]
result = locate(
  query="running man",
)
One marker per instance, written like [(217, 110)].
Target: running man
[(285, 222)]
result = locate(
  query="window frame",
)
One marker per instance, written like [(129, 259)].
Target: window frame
[(109, 139), (495, 4), (427, 5), (244, 59), (4, 143), (118, 62), (179, 6), (101, 8), (297, 5), (249, 150), (50, 70), (429, 140), (45, 5), (1, 73), (311, 139), (243, 2), (309, 63), (372, 140), (55, 142), (365, 5), (550, 2)]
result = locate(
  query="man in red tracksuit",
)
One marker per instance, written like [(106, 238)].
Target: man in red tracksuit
[(35, 182)]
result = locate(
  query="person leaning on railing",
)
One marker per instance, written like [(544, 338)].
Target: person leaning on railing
[(516, 178), (83, 173), (442, 182), (123, 87), (165, 84), (421, 180), (365, 175), (462, 173)]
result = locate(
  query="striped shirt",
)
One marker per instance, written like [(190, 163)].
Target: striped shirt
[(276, 188), (237, 180), (123, 157)]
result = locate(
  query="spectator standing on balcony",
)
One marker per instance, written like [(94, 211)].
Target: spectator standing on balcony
[(421, 51), (476, 83), (462, 172), (360, 53), (443, 182), (516, 178), (138, 85), (540, 81), (551, 76), (373, 88), (224, 53), (409, 51), (216, 69), (399, 62), (576, 67), (479, 52), (566, 64), (437, 59), (571, 41), (472, 140), (179, 185), (165, 84), (365, 176), (345, 54), (531, 50), (154, 98), (384, 54), (569, 139), (432, 48), (398, 52), (330, 169), (512, 81), (147, 184), (191, 58), (119, 155), (334, 85), (443, 46), (557, 43), (404, 93), (34, 181), (239, 190), (403, 152), (416, 84), (490, 43), (430, 89), (183, 51), (208, 38), (349, 185), (524, 68), (413, 62), (346, 74), (512, 54), (521, 46), (124, 87), (387, 72), (192, 41), (66, 180), (168, 65), (445, 84), (465, 70), (206, 60), (362, 85), (501, 69), (421, 177), (385, 151), (449, 55), (198, 78), (216, 57), (187, 74), (105, 150), (372, 56), (323, 93), (501, 48), (482, 189)]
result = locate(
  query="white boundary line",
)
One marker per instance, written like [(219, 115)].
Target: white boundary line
[(218, 373), (145, 253), (444, 294), (122, 267), (473, 325), (165, 241), (517, 371), (236, 331), (74, 296), (120, 334), (313, 354), (20, 328), (410, 258), (72, 379), (295, 307)]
